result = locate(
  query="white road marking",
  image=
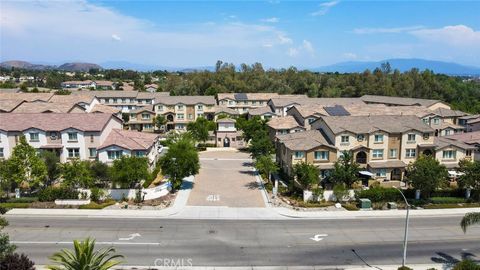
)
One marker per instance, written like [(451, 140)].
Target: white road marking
[(213, 198), (71, 243), (130, 237), (318, 237), (227, 159)]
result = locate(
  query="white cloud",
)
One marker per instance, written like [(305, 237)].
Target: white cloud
[(116, 37), (271, 20), (454, 35), (307, 45), (349, 55), (392, 30), (306, 48), (324, 8), (293, 52), (43, 31)]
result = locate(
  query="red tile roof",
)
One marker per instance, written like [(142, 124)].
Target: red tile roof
[(129, 139)]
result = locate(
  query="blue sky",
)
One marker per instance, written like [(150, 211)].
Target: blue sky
[(275, 33)]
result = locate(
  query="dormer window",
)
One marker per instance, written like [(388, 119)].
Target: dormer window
[(378, 138)]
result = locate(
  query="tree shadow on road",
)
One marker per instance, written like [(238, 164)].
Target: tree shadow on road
[(448, 261), (252, 173), (253, 185), (247, 164)]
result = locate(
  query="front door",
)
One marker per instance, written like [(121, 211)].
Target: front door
[(226, 142), (396, 174)]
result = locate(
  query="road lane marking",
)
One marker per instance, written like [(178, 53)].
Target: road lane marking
[(71, 243), (318, 237), (130, 237), (213, 198)]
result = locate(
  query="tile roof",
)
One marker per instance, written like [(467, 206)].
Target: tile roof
[(303, 100), (226, 120), (27, 96), (467, 137), (249, 96), (54, 121), (42, 107), (187, 100), (226, 110), (7, 105), (101, 108), (442, 142), (147, 108), (369, 124), (304, 140), (286, 122), (74, 99), (448, 113), (261, 111), (387, 164), (129, 139), (402, 101)]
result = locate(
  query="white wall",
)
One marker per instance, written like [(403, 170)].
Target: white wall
[(4, 143)]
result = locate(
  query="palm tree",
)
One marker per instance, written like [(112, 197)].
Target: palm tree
[(83, 257), (469, 219)]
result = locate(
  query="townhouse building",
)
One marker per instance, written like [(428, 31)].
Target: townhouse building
[(281, 105), (283, 125), (431, 104), (88, 84), (243, 102), (227, 134), (470, 122), (142, 119), (69, 135), (181, 110)]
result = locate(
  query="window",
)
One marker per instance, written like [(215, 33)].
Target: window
[(360, 137), (92, 138), (200, 107), (393, 153), (180, 107), (72, 136), (190, 116), (145, 116), (381, 173), (410, 153), (139, 153), (53, 135), (114, 154), (426, 136), (468, 153), (311, 120), (160, 108), (254, 102), (377, 153), (436, 121), (92, 152), (230, 102), (345, 138), (378, 138), (321, 155), (124, 100), (298, 154), (449, 154), (73, 152), (180, 116), (425, 120), (34, 137), (447, 132), (1, 153), (411, 137)]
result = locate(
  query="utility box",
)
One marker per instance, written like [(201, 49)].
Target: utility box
[(365, 204), (392, 205)]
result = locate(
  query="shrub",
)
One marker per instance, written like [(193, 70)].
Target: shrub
[(466, 265), (446, 200), (340, 193), (51, 194), (404, 268), (15, 261), (14, 205), (22, 200), (380, 194), (96, 194), (350, 206), (94, 205)]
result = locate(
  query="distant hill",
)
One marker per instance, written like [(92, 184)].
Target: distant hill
[(402, 65), (146, 67), (78, 66), (75, 66), (23, 65)]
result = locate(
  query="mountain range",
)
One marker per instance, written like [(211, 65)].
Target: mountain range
[(448, 68)]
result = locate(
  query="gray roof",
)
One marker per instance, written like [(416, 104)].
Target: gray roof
[(147, 108), (401, 101), (261, 111), (369, 124), (303, 141), (442, 142), (448, 113), (303, 100), (387, 164), (187, 100), (226, 120), (226, 110)]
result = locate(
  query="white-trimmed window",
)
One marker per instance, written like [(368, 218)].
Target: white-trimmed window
[(410, 153), (321, 155), (160, 108), (72, 137), (345, 139), (200, 107), (377, 153), (381, 172), (360, 137), (92, 152), (299, 154), (468, 153), (34, 137), (378, 138), (112, 155), (411, 137), (180, 116), (447, 132), (73, 152), (180, 107), (2, 155), (140, 153), (145, 116), (426, 136), (436, 121), (449, 154), (393, 153)]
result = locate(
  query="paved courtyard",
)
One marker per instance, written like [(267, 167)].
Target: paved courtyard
[(225, 179)]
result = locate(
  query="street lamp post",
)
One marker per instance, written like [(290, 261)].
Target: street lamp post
[(405, 237)]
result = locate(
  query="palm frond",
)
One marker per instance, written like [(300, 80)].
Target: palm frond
[(470, 219)]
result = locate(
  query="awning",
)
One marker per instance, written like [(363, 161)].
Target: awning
[(366, 173), (51, 146), (387, 164)]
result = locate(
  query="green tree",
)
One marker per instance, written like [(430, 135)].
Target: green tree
[(470, 219), (266, 166), (15, 261), (85, 257), (251, 127), (5, 247), (200, 128), (160, 121), (24, 166), (100, 172), (307, 175), (129, 171), (77, 173), (180, 161), (260, 145), (471, 176), (52, 162), (427, 174), (345, 170)]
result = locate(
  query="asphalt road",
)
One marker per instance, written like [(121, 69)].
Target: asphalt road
[(256, 242)]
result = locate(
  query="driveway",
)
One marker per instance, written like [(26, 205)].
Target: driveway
[(226, 179)]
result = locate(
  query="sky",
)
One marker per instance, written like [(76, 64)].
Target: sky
[(275, 33)]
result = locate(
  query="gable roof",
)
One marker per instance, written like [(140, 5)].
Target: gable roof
[(260, 111), (305, 140), (43, 107), (129, 139), (55, 121), (246, 96), (401, 101), (27, 96), (187, 100), (442, 142), (287, 122), (101, 108), (226, 110), (467, 137), (8, 105)]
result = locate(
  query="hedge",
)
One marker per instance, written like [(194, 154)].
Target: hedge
[(51, 194), (446, 200), (15, 205), (380, 194), (22, 200), (94, 205)]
